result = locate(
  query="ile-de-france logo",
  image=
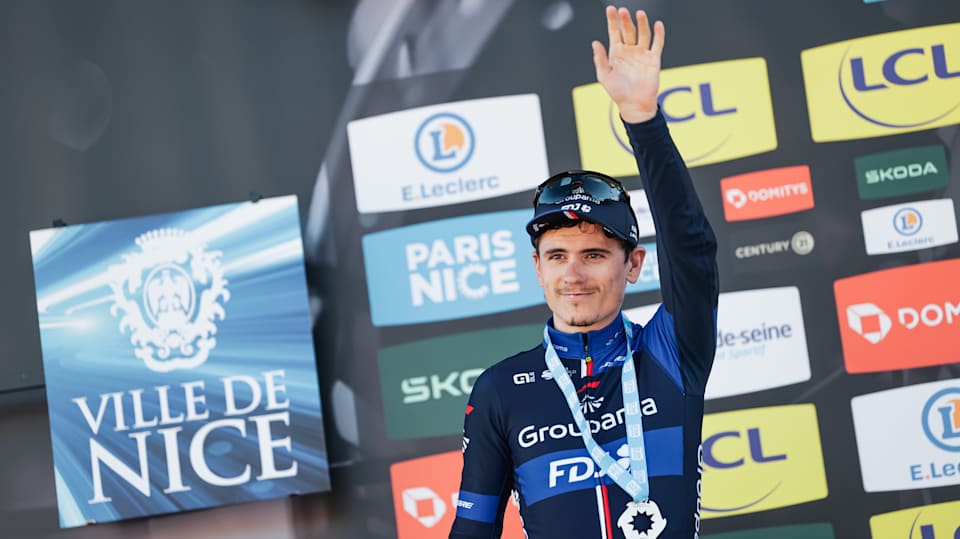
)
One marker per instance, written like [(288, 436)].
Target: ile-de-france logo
[(169, 293), (444, 142)]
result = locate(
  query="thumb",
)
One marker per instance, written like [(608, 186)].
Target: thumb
[(600, 60)]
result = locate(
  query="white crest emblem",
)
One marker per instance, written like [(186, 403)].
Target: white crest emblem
[(170, 293)]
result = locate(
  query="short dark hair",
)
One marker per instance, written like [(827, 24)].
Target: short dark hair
[(570, 223)]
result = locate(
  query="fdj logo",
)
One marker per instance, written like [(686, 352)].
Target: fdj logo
[(471, 266), (575, 469), (941, 419), (444, 142), (687, 110), (715, 458), (908, 221)]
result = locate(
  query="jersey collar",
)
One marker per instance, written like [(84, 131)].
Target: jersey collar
[(606, 346)]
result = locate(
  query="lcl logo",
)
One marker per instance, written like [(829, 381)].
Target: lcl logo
[(704, 92)]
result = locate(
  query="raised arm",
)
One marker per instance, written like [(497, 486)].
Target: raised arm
[(686, 244)]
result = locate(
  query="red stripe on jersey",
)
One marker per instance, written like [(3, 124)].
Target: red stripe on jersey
[(606, 510)]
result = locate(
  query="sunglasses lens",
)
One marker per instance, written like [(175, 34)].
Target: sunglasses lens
[(570, 188)]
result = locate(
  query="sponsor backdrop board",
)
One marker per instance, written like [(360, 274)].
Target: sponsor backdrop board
[(761, 341), (798, 531), (425, 492), (808, 127), (900, 318), (927, 522), (179, 362), (760, 459), (909, 437)]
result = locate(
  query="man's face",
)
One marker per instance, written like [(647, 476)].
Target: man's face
[(583, 273)]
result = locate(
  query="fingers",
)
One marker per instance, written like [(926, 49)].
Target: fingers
[(643, 28), (600, 60), (659, 32), (621, 30), (613, 26), (626, 27)]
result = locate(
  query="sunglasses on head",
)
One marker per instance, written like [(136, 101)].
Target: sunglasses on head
[(574, 185)]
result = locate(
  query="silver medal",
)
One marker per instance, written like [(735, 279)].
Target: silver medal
[(648, 509)]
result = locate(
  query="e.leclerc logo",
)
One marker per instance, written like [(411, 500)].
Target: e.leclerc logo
[(936, 521), (444, 142), (717, 112), (447, 154), (900, 318), (941, 419), (902, 172), (461, 267), (760, 459), (909, 437), (909, 227), (884, 84)]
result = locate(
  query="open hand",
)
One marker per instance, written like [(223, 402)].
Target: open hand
[(631, 72)]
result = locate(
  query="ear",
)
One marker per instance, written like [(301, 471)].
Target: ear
[(634, 263), (536, 264)]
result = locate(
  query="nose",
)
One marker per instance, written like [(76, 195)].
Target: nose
[(573, 271)]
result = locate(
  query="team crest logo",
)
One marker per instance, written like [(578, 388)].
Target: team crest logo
[(590, 404), (169, 293)]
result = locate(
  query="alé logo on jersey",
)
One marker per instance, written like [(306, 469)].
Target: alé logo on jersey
[(884, 84), (935, 521), (425, 498), (761, 341), (717, 112), (460, 267), (900, 318), (760, 459), (767, 193), (447, 154), (909, 437), (909, 227), (425, 384), (902, 172)]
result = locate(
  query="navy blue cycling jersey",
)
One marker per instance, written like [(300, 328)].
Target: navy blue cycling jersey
[(519, 435)]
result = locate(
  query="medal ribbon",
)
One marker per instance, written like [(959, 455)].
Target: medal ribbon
[(634, 481)]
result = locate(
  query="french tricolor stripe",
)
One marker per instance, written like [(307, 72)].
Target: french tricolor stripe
[(571, 215)]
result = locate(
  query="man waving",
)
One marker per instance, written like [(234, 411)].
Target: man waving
[(600, 435)]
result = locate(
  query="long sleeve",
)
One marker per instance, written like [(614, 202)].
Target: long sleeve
[(486, 481), (686, 248)]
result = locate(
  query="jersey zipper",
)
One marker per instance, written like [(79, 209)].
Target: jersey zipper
[(586, 353)]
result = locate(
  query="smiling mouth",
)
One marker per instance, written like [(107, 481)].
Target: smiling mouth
[(575, 293)]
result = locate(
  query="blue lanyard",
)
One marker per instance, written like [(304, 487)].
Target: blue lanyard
[(634, 481)]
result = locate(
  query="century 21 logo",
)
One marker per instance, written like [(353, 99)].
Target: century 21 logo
[(884, 84), (717, 112), (760, 459)]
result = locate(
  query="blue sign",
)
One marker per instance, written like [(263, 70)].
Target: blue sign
[(179, 361), (460, 267)]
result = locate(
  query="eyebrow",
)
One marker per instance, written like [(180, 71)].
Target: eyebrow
[(588, 250)]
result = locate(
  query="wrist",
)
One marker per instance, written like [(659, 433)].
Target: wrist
[(634, 114)]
